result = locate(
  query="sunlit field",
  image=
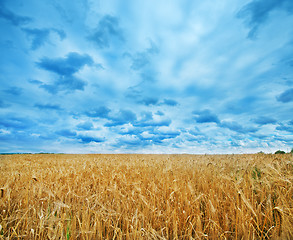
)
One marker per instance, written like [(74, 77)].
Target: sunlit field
[(53, 196)]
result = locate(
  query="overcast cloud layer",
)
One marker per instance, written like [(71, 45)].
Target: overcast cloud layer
[(152, 76)]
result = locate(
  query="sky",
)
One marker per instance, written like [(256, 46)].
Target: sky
[(156, 76)]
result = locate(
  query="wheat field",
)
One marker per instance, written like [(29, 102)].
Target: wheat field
[(58, 196)]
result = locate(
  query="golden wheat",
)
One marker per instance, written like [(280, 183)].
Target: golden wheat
[(146, 196)]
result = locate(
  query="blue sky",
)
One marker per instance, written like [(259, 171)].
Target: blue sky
[(179, 76)]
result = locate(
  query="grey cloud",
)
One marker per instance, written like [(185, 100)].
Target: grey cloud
[(107, 30), (123, 117), (263, 120), (66, 133), (205, 116), (65, 68), (16, 91), (286, 96), (89, 139), (100, 112), (234, 126), (85, 126), (40, 36), (13, 18), (257, 12), (169, 102), (47, 106), (16, 123)]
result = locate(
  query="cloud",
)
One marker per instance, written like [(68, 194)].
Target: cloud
[(35, 82), (16, 123), (107, 31), (85, 126), (123, 117), (13, 18), (41, 36), (47, 106), (234, 126), (101, 112), (153, 123), (65, 83), (60, 32), (142, 138), (287, 128), (140, 97), (66, 66), (169, 102), (131, 131), (3, 104), (264, 120), (205, 116), (243, 105), (131, 143), (286, 96), (89, 139), (16, 91), (148, 101), (159, 113), (66, 133), (257, 12)]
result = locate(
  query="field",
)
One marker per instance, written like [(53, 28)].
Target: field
[(56, 196)]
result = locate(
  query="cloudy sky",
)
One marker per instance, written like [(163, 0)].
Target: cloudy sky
[(156, 76)]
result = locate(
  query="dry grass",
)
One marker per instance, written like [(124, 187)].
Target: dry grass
[(146, 197)]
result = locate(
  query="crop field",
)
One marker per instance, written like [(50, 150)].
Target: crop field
[(58, 196)]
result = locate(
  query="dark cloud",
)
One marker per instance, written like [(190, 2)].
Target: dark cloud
[(35, 82), (85, 126), (243, 105), (13, 18), (3, 104), (286, 96), (148, 101), (66, 66), (66, 133), (65, 83), (205, 116), (159, 113), (234, 126), (285, 139), (123, 117), (139, 61), (257, 12), (40, 36), (169, 102), (101, 112), (264, 120), (107, 31), (60, 32), (153, 123), (89, 139), (133, 143), (139, 97), (16, 123), (16, 91), (157, 137), (132, 131), (284, 127), (47, 106)]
